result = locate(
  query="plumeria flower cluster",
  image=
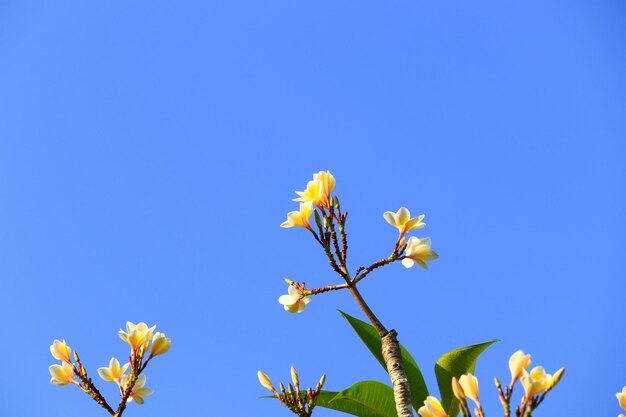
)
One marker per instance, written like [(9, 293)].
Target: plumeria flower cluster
[(144, 345), (300, 402), (621, 399), (536, 383), (328, 229), (414, 250)]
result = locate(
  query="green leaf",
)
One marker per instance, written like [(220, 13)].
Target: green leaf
[(363, 399), (372, 340), (456, 363)]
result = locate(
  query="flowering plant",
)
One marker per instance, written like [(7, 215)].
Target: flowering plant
[(454, 370), (144, 346)]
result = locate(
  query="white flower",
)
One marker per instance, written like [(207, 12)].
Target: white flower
[(294, 301), (418, 250)]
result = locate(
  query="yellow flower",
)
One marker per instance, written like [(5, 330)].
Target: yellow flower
[(311, 193), (403, 221), (113, 373), (160, 344), (62, 374), (294, 301), (457, 390), (469, 383), (318, 190), (137, 335), (518, 362), (621, 397), (431, 408), (418, 250), (138, 391), (60, 351), (327, 184), (265, 380), (536, 382), (299, 218)]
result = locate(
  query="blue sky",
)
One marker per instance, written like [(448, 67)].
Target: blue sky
[(149, 151)]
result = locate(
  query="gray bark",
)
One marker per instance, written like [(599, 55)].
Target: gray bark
[(401, 388)]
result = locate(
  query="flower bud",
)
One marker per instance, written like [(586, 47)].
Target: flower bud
[(557, 376), (469, 383), (518, 363), (160, 344), (294, 377), (320, 384), (457, 389), (265, 381)]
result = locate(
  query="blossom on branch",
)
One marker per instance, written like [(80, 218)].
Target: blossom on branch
[(138, 391), (137, 335), (294, 301), (160, 344), (299, 218), (418, 250), (114, 372), (318, 190), (60, 351), (469, 383), (431, 408), (62, 374), (518, 363), (403, 221), (536, 382)]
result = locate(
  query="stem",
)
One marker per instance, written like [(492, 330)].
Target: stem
[(327, 288), (368, 312), (389, 343), (372, 267), (393, 358), (89, 387), (395, 368)]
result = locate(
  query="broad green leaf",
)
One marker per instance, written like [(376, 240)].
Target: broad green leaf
[(456, 363), (363, 399), (372, 340)]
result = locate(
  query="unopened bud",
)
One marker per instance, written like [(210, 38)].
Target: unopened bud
[(265, 381), (322, 380), (290, 389), (497, 382), (76, 358), (318, 219), (557, 377), (294, 377), (288, 281), (457, 390), (282, 388), (402, 242)]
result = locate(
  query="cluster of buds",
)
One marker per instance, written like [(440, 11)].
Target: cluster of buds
[(621, 398), (329, 231), (536, 383), (299, 402), (144, 345)]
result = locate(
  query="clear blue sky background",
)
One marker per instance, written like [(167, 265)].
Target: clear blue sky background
[(150, 149)]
